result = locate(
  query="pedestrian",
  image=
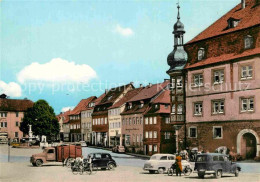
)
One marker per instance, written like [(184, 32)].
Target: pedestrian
[(178, 165)]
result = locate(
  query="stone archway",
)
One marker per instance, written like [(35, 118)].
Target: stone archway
[(240, 137)]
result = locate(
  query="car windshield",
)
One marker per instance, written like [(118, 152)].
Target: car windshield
[(201, 158), (153, 157)]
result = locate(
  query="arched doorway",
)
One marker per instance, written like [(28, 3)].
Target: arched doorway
[(247, 141), (248, 146)]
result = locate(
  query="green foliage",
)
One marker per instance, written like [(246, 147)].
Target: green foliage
[(42, 118)]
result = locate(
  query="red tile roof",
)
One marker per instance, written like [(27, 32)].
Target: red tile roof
[(249, 16), (82, 105), (224, 58), (163, 98), (113, 94), (65, 115), (130, 94), (149, 92), (18, 105)]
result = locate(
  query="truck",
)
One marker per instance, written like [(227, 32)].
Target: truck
[(62, 153)]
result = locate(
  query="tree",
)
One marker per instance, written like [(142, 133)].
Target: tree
[(42, 118)]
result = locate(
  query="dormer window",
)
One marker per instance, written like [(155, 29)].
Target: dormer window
[(248, 41), (232, 22), (109, 97), (129, 106), (201, 54)]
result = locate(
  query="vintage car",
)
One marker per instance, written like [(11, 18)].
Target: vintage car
[(161, 163), (118, 149), (216, 164), (103, 161), (83, 144)]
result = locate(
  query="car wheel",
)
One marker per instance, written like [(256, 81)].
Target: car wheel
[(160, 170), (38, 163), (218, 174), (201, 175), (151, 171), (111, 166), (237, 172), (170, 172)]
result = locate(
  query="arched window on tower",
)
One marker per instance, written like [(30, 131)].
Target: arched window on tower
[(201, 54)]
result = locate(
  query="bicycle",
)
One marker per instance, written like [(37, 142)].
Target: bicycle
[(76, 167), (172, 170), (89, 168)]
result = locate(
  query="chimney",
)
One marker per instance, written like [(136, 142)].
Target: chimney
[(132, 83), (243, 4), (106, 91), (150, 84), (141, 85)]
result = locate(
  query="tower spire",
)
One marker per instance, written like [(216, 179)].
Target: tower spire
[(178, 16)]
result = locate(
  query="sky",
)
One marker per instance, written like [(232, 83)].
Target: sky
[(67, 50)]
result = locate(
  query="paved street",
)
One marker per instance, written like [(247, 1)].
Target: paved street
[(130, 169)]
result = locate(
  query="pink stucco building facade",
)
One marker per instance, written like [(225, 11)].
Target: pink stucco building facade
[(11, 115)]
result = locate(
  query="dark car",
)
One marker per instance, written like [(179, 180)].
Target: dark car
[(216, 164), (103, 161)]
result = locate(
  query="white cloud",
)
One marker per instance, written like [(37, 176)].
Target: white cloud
[(123, 31), (11, 89), (57, 70), (64, 109)]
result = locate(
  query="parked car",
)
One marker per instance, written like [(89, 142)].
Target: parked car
[(118, 149), (60, 154), (161, 163), (103, 161), (216, 164)]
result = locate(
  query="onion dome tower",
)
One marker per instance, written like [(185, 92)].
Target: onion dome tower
[(177, 59)]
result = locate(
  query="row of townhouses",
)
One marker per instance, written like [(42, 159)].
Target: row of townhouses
[(211, 99), (137, 118)]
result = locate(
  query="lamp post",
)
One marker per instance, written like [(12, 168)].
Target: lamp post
[(9, 143)]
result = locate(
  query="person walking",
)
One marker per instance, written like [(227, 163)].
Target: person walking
[(178, 165)]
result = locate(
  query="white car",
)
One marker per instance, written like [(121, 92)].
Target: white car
[(161, 163)]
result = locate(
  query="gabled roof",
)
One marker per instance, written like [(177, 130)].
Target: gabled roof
[(113, 94), (82, 105), (19, 105), (163, 98), (65, 115), (248, 17), (224, 58), (130, 94), (150, 91)]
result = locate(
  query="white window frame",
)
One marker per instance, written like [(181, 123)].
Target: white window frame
[(198, 80), (150, 120), (201, 54), (150, 134), (150, 148), (155, 148), (248, 42), (146, 120), (155, 120), (167, 135), (198, 108), (167, 120), (193, 127), (217, 104), (155, 134), (246, 72), (247, 102), (180, 109), (220, 74), (214, 136), (146, 134)]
